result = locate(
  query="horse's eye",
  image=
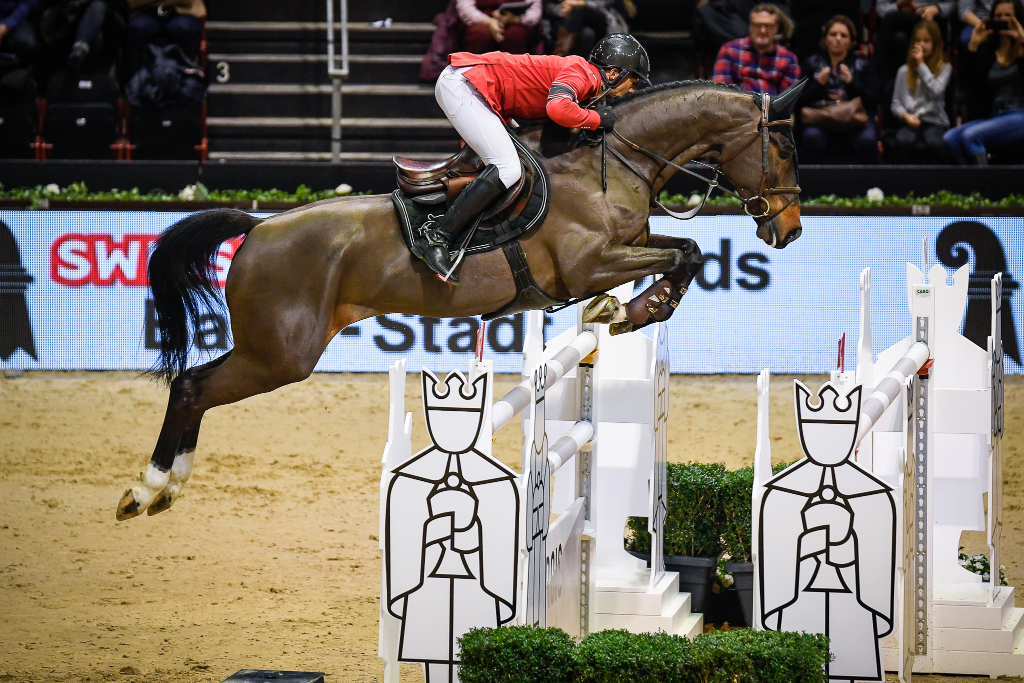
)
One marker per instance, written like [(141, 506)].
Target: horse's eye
[(785, 154)]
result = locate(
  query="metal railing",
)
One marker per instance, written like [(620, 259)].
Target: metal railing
[(335, 72)]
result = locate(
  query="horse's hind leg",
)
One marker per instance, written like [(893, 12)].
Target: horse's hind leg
[(171, 464), (181, 468), (239, 374)]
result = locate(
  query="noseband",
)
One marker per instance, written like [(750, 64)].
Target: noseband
[(758, 200)]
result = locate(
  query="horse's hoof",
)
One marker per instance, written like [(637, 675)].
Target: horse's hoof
[(162, 502), (128, 507), (604, 309), (620, 328)]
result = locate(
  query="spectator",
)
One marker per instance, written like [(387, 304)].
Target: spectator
[(970, 13), (995, 100), (840, 94), (919, 99), (17, 37), (485, 28), (94, 26), (164, 22), (757, 63), (810, 15), (897, 18), (577, 25)]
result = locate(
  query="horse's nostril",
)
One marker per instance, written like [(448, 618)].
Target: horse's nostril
[(793, 235)]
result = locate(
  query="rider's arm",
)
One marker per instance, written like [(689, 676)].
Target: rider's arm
[(572, 83), (564, 110)]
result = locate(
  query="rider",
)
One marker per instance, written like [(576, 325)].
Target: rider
[(479, 93)]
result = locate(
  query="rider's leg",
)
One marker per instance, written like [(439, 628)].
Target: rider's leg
[(482, 130)]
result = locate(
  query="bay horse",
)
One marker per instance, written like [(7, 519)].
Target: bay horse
[(302, 276)]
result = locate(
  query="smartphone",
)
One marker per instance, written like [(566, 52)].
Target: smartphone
[(997, 26)]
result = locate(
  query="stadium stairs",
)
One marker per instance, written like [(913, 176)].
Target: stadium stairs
[(270, 96)]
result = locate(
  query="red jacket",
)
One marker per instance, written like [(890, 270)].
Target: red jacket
[(520, 86)]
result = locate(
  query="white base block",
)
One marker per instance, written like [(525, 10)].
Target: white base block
[(623, 600), (978, 651), (628, 594), (1004, 639), (991, 664), (973, 611)]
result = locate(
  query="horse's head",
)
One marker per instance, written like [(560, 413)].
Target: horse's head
[(763, 168)]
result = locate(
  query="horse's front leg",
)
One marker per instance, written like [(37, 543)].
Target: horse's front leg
[(678, 260), (659, 301)]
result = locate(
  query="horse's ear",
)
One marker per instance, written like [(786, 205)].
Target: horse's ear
[(782, 105)]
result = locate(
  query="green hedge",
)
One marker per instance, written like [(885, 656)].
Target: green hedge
[(524, 655), (197, 192), (974, 200), (517, 654), (708, 512), (80, 192)]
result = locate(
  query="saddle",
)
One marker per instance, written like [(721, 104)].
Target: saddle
[(427, 188)]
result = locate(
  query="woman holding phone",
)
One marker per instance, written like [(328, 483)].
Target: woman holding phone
[(995, 100)]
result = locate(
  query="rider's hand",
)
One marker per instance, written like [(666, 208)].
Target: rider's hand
[(607, 115)]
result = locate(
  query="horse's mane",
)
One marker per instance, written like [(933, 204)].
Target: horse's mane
[(677, 85)]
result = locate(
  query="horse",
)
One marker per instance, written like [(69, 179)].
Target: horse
[(302, 276)]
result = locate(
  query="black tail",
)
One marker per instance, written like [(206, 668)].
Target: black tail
[(180, 271)]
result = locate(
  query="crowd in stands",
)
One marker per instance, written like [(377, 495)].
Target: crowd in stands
[(84, 56), (898, 81)]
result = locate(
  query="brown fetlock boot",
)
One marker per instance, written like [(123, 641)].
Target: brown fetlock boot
[(655, 304)]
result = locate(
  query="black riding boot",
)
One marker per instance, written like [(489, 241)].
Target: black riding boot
[(467, 206)]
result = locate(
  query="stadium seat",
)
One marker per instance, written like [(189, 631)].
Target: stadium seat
[(171, 133), (17, 130), (81, 115)]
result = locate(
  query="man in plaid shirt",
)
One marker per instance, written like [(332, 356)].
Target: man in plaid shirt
[(757, 63)]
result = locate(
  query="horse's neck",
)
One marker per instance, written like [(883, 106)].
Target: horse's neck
[(683, 125)]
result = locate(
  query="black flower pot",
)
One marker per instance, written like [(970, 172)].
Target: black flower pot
[(696, 575), (743, 582)]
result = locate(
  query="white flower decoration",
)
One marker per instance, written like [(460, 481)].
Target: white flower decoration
[(875, 194), (53, 188), (189, 193), (344, 188)]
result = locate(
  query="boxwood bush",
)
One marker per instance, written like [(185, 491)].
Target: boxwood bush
[(517, 654), (693, 525), (708, 511), (522, 655)]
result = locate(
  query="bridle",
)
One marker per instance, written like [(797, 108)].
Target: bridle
[(761, 198)]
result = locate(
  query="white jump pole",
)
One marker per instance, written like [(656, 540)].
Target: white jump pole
[(576, 438), (513, 403), (889, 388)]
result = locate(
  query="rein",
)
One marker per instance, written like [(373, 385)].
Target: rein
[(764, 191)]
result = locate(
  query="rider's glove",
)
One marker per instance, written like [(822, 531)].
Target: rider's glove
[(607, 115)]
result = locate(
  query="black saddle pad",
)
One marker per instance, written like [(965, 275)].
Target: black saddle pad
[(492, 232)]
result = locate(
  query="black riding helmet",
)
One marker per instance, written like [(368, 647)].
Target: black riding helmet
[(625, 53)]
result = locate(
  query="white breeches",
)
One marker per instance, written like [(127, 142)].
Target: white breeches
[(477, 123)]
